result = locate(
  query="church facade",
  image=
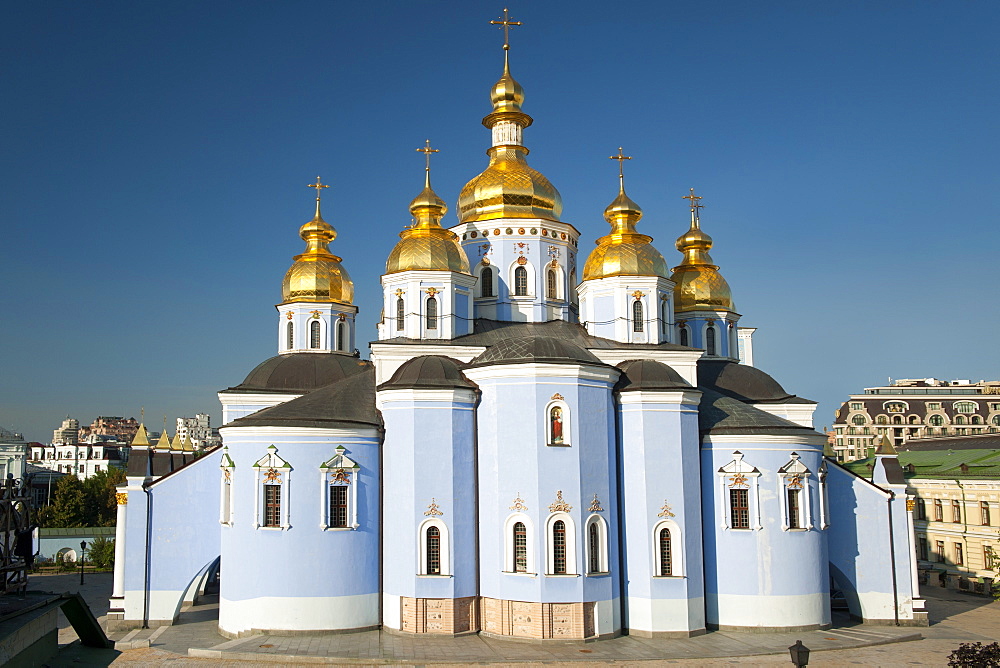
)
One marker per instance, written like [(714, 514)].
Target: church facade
[(543, 445)]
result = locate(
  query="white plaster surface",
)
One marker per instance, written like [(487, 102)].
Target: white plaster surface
[(314, 613), (392, 616), (662, 615), (768, 611)]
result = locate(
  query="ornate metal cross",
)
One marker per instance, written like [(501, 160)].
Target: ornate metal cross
[(318, 186), (507, 25)]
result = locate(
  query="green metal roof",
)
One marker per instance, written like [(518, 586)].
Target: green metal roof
[(76, 531), (930, 464)]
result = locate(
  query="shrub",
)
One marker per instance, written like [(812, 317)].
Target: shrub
[(102, 552), (975, 655)]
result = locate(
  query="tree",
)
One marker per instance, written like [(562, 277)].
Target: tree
[(102, 552), (100, 490), (69, 505)]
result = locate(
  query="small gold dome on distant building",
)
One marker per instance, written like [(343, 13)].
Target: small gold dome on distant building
[(624, 252), (316, 274), (698, 285), (508, 188), (426, 245)]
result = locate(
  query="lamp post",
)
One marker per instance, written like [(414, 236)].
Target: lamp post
[(83, 547), (800, 654)]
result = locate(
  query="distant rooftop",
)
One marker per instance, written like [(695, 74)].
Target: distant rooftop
[(913, 386)]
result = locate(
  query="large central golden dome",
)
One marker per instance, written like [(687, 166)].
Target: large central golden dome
[(316, 274), (624, 252), (698, 285), (508, 188), (426, 245)]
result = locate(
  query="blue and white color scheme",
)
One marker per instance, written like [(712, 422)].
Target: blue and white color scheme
[(542, 446)]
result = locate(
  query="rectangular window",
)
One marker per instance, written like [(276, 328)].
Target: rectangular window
[(938, 510), (739, 508), (933, 406), (921, 509), (984, 510), (939, 551), (559, 547), (272, 505), (988, 557), (433, 551), (959, 557), (956, 511), (922, 549), (338, 506), (520, 548), (666, 565), (857, 406), (793, 509), (227, 491)]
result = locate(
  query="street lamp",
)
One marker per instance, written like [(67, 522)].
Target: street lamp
[(800, 654), (83, 547)]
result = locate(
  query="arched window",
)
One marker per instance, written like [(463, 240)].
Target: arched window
[(996, 420), (486, 282), (520, 282), (559, 547), (572, 284), (965, 406), (976, 419), (897, 419), (664, 547), (520, 548), (556, 436), (593, 548), (858, 419), (881, 419), (433, 548), (291, 334), (959, 419), (684, 335), (935, 420), (342, 342), (550, 284), (432, 313), (400, 313), (710, 340), (314, 334), (637, 316), (663, 317)]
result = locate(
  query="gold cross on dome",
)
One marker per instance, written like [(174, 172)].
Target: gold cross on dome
[(507, 25), (318, 186), (427, 150), (695, 203), (621, 158)]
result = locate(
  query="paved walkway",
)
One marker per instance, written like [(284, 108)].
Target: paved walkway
[(194, 641)]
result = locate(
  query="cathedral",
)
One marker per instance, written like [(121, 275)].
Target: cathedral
[(543, 445)]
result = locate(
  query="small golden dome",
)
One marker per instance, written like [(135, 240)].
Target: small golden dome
[(698, 285), (316, 274), (624, 252), (509, 188), (507, 95), (426, 245)]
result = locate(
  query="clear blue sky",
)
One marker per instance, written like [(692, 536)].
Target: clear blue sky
[(156, 155)]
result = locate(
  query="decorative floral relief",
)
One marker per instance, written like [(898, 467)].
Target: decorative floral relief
[(432, 508), (560, 505), (272, 475), (795, 482), (557, 397), (665, 510), (340, 477), (595, 505), (519, 504)]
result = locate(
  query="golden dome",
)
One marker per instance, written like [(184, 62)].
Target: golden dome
[(426, 245), (624, 252), (316, 274), (508, 188), (698, 285)]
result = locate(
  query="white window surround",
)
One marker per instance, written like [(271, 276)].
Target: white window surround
[(479, 281), (560, 295), (319, 325), (226, 489), (271, 469), (791, 474), (571, 565), (508, 544), (566, 435), (343, 335), (602, 544), (339, 470), (676, 551), (445, 557), (729, 477), (824, 498), (511, 285)]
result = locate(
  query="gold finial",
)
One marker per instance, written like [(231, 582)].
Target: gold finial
[(142, 414), (621, 158), (507, 25), (695, 205), (427, 150), (318, 186)]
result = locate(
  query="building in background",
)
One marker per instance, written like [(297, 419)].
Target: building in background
[(13, 454), (907, 409), (954, 486), (122, 429), (68, 433), (80, 459), (199, 430)]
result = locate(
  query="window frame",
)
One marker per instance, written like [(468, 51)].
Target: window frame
[(569, 534), (400, 314), (485, 271), (315, 334), (984, 513), (339, 470), (638, 317), (444, 552), (956, 511), (272, 471), (739, 474), (600, 557), (226, 495), (509, 545), (711, 342), (431, 313), (290, 336), (521, 289), (676, 550), (343, 335), (566, 424)]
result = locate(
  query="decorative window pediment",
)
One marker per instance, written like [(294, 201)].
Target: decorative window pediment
[(272, 475), (796, 511), (338, 506), (272, 461), (739, 502), (227, 467)]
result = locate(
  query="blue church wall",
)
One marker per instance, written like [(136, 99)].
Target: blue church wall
[(771, 576), (604, 314), (264, 587), (183, 538), (428, 455), (653, 434), (860, 547), (463, 325), (521, 475)]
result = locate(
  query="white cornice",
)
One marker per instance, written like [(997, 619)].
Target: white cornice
[(770, 439), (452, 395), (581, 371), (269, 433), (691, 396)]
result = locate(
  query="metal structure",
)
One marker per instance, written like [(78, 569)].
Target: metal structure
[(15, 535)]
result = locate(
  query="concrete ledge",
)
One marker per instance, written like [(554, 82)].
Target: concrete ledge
[(919, 619), (769, 629), (639, 633), (292, 633)]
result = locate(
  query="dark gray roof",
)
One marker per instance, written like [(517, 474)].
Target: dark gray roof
[(349, 403), (490, 332), (649, 375), (535, 349), (429, 371), (719, 414), (743, 382), (300, 372), (976, 442)]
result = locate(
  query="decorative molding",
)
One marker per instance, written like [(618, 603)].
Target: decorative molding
[(272, 475), (316, 314), (665, 510), (121, 498), (519, 504), (433, 509), (341, 316), (521, 260), (400, 292), (556, 397), (910, 504), (595, 505), (559, 505), (739, 480), (340, 477), (638, 294), (431, 292), (289, 315)]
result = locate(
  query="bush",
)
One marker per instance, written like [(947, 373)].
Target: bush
[(975, 655), (101, 552)]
